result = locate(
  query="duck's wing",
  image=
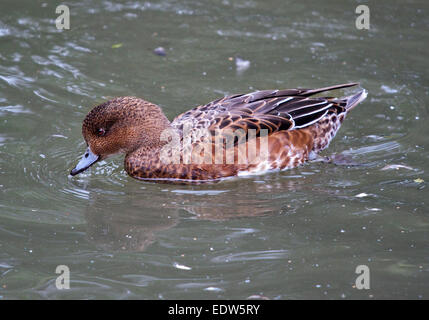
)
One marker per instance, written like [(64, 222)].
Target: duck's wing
[(274, 110)]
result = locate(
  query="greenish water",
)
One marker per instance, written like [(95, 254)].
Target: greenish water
[(290, 235)]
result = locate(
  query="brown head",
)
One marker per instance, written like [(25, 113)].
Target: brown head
[(120, 125)]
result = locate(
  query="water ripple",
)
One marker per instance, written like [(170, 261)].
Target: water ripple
[(251, 256)]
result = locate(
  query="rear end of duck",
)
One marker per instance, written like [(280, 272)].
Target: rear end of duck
[(324, 130), (316, 122)]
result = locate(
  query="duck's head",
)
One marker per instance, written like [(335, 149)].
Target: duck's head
[(120, 125)]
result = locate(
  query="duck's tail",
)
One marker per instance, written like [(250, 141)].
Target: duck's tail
[(353, 100), (310, 92)]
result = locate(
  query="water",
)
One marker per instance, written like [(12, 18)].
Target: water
[(289, 235)]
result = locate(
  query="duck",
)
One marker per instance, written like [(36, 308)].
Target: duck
[(235, 135)]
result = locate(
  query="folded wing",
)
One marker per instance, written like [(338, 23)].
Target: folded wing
[(273, 110)]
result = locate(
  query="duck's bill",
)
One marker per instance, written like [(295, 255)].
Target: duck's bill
[(88, 159)]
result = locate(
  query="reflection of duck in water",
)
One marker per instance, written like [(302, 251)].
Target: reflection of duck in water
[(297, 125), (136, 225), (130, 229)]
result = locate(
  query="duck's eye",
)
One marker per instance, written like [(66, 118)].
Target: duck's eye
[(101, 132)]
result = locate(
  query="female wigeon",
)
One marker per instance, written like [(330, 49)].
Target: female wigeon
[(290, 125)]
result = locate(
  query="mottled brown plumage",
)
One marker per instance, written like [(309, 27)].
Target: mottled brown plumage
[(296, 123)]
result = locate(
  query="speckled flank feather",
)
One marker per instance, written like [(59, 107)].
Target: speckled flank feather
[(297, 124)]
